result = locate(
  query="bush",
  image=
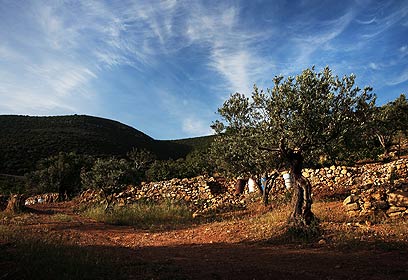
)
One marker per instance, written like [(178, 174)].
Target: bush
[(60, 173), (110, 176)]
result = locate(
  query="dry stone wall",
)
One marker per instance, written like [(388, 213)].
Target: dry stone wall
[(380, 189), (203, 194), (368, 189)]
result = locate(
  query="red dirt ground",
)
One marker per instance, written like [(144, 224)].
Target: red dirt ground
[(211, 251)]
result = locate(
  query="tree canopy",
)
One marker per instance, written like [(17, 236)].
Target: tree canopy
[(389, 120), (314, 112)]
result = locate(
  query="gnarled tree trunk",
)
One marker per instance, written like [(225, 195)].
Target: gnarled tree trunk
[(302, 197), (15, 203), (270, 181)]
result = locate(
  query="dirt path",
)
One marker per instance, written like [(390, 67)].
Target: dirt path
[(210, 251)]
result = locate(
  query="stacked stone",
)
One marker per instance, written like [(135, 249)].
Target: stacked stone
[(398, 203), (202, 194), (330, 181), (42, 198), (388, 199), (373, 187)]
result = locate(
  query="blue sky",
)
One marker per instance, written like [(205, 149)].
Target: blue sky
[(164, 67)]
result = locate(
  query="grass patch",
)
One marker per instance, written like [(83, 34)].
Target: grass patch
[(64, 218), (143, 214)]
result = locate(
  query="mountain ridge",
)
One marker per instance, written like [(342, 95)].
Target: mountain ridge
[(26, 139)]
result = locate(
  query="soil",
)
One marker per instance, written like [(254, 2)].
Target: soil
[(214, 251)]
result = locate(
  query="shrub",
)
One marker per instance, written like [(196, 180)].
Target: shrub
[(108, 175)]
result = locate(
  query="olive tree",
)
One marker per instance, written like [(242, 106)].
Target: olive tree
[(309, 115), (110, 176), (390, 120)]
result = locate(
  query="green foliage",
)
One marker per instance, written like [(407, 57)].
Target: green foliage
[(60, 173), (110, 176), (239, 155), (144, 214), (140, 160), (196, 163), (314, 113), (25, 140), (11, 184), (390, 120)]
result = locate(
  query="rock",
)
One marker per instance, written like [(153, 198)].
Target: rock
[(350, 199), (394, 209), (398, 198), (352, 207), (396, 214)]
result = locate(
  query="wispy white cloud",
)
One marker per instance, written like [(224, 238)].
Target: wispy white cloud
[(373, 66), (196, 126), (63, 78), (234, 51), (403, 50), (8, 54), (384, 21), (56, 56), (308, 41), (400, 78), (366, 22)]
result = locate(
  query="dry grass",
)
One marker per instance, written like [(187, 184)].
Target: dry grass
[(143, 214)]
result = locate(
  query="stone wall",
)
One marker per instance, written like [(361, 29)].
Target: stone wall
[(369, 188), (387, 200), (42, 198), (338, 181), (202, 194)]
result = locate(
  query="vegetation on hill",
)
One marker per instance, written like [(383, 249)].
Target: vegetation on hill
[(38, 154), (25, 140)]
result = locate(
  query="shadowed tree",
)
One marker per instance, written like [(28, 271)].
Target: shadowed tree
[(391, 120), (310, 115)]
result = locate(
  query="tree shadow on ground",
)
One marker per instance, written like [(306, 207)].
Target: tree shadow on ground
[(41, 260)]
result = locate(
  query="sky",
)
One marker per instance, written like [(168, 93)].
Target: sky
[(165, 67)]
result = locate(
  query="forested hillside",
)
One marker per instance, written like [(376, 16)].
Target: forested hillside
[(24, 140)]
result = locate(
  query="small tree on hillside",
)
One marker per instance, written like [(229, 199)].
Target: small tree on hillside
[(140, 160), (59, 173), (110, 176), (309, 115), (390, 120)]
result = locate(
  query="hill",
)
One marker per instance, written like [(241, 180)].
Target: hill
[(24, 140), (196, 142)]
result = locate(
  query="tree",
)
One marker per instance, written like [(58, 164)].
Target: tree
[(140, 160), (110, 176), (309, 115), (59, 173), (389, 120)]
